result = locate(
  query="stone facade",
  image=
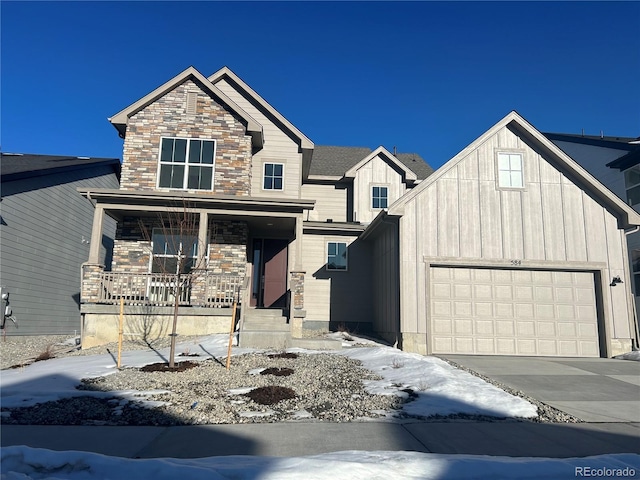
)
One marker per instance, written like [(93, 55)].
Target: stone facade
[(167, 117), (90, 282), (297, 290), (132, 248), (228, 247)]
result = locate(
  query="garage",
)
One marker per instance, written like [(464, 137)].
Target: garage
[(501, 311)]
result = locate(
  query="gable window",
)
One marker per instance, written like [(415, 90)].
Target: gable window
[(173, 252), (632, 184), (186, 163), (336, 256), (379, 197), (273, 176), (510, 172)]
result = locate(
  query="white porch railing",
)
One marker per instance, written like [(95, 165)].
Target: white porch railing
[(159, 289)]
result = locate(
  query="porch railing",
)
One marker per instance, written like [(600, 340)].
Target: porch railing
[(159, 289)]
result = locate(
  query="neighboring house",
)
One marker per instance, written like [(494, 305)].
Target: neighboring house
[(509, 248), (615, 161), (45, 234)]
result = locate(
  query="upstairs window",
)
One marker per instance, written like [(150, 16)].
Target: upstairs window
[(379, 197), (510, 172), (273, 176), (632, 184), (336, 256), (186, 163)]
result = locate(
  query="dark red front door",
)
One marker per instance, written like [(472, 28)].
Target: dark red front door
[(269, 286)]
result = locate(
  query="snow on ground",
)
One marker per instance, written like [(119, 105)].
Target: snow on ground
[(441, 389), (24, 463), (635, 355)]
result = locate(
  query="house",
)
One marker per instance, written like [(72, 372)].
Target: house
[(614, 161), (45, 233), (509, 248)]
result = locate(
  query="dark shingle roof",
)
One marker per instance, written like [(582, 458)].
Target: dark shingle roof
[(14, 166), (335, 161)]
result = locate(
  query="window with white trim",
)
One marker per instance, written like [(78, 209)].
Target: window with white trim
[(635, 265), (379, 197), (273, 176), (186, 163), (632, 184), (510, 170), (173, 252), (336, 256)]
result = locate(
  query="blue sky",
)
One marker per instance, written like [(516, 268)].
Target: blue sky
[(427, 77)]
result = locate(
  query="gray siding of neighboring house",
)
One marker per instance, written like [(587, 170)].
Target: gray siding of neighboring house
[(44, 238)]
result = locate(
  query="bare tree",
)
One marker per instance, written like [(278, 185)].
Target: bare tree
[(177, 256)]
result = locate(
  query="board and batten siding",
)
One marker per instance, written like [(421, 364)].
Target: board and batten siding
[(45, 238), (331, 202), (376, 172), (278, 148), (465, 215), (332, 298)]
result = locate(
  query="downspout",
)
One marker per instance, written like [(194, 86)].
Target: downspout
[(635, 328)]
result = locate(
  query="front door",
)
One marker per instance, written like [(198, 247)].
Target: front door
[(269, 280)]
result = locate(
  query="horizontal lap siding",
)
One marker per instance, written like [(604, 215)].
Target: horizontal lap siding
[(278, 148), (43, 248), (331, 202)]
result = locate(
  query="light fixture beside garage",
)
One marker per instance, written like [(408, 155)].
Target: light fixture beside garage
[(615, 281)]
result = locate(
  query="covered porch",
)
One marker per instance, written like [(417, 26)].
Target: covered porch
[(199, 253)]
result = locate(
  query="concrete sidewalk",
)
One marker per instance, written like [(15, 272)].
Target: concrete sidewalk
[(517, 439), (592, 389)]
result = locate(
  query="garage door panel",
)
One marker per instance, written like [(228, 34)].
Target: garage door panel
[(513, 312)]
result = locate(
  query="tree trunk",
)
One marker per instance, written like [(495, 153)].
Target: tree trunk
[(176, 305)]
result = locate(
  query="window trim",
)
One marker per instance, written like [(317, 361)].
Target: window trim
[(385, 186), (326, 256), (264, 174), (185, 179), (499, 152)]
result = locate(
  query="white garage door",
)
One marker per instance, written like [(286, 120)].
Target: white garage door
[(513, 312)]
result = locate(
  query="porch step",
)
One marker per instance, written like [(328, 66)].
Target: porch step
[(264, 339)]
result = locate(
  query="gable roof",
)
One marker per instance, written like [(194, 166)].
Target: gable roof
[(226, 73), (381, 152), (121, 119), (334, 161), (625, 213), (16, 166)]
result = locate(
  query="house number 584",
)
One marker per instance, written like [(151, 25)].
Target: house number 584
[(516, 262)]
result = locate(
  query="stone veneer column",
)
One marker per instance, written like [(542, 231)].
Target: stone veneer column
[(90, 287), (297, 303)]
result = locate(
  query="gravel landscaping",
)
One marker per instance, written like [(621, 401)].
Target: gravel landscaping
[(259, 387)]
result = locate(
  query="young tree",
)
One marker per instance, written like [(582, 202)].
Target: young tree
[(177, 257)]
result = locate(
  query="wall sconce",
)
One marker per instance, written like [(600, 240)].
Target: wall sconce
[(615, 281)]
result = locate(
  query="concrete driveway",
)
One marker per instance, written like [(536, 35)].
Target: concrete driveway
[(592, 389)]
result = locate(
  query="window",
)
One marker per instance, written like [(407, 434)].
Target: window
[(168, 247), (336, 256), (186, 163), (379, 197), (510, 174), (273, 176), (635, 264), (632, 184)]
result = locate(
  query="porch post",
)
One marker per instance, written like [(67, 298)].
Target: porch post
[(96, 235), (202, 239), (199, 280), (296, 283)]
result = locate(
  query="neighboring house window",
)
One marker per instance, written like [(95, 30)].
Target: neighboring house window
[(510, 172), (336, 256), (273, 176), (169, 247), (632, 184), (379, 197), (187, 163), (635, 264)]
